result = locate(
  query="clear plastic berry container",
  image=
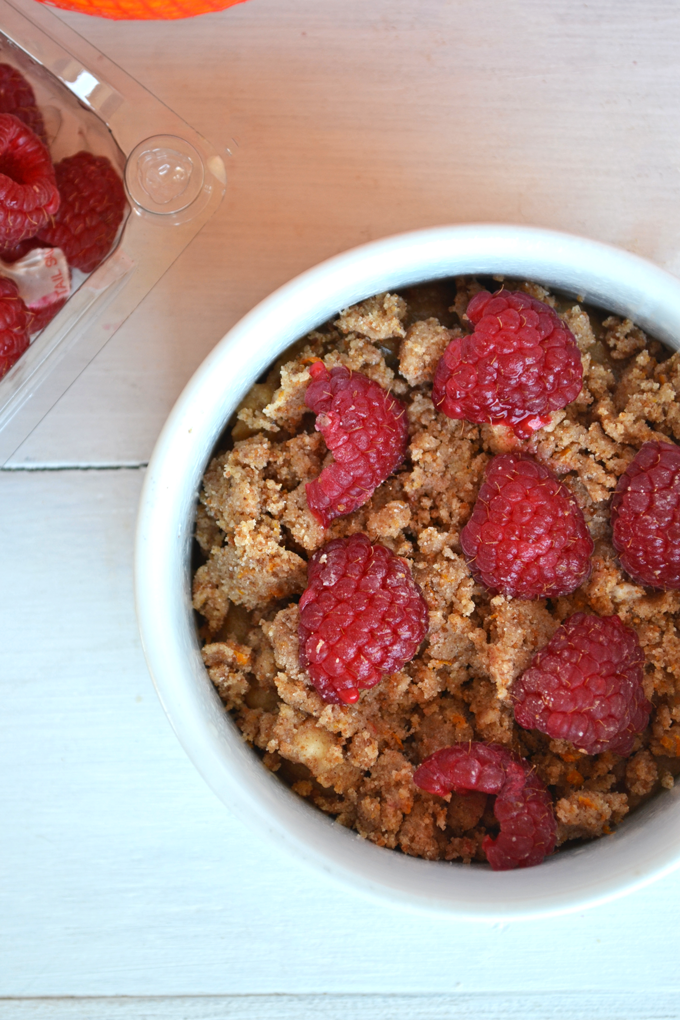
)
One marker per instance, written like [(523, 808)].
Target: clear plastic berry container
[(174, 181)]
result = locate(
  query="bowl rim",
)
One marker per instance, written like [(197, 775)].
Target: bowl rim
[(647, 846)]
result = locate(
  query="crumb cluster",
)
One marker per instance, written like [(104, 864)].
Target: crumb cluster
[(256, 534)]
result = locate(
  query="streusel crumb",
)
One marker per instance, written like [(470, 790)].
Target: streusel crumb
[(255, 535)]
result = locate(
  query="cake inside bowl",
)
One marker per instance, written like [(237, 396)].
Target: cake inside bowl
[(257, 534)]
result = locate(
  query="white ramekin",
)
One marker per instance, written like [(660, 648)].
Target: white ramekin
[(646, 846)]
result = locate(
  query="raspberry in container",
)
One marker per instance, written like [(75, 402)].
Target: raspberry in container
[(120, 185)]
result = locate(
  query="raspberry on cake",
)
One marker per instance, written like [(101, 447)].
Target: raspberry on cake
[(523, 806), (645, 516), (366, 430), (527, 537), (520, 364), (585, 686), (13, 325), (362, 616), (28, 188), (92, 208)]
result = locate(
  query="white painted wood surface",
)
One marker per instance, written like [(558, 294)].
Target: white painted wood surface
[(123, 878), (557, 1006)]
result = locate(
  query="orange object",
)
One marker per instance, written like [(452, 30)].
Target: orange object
[(144, 10)]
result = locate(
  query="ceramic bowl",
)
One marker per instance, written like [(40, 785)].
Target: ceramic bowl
[(645, 846)]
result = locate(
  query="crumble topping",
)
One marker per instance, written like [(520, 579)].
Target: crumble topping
[(256, 534)]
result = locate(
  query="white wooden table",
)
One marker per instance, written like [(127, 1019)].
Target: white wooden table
[(128, 890)]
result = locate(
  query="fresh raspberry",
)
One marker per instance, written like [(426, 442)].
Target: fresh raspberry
[(586, 686), (92, 207), (361, 616), (13, 325), (520, 363), (28, 189), (366, 430), (645, 516), (523, 805), (17, 251), (38, 318), (17, 97), (527, 537)]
